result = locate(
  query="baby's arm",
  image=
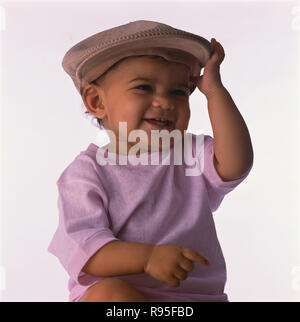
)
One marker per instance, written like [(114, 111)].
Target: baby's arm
[(233, 153), (167, 263), (118, 258), (232, 144)]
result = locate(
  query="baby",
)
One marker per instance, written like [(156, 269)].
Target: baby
[(136, 233)]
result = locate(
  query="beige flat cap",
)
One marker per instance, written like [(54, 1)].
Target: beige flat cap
[(91, 57)]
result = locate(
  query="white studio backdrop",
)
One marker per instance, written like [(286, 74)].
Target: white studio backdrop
[(44, 129)]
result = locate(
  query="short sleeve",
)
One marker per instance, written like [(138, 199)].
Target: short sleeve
[(216, 187), (83, 223)]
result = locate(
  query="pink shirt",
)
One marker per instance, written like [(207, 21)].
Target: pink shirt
[(155, 204)]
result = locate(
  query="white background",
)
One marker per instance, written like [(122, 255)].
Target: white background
[(44, 129)]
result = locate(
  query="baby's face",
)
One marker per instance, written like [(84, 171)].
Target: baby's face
[(165, 94)]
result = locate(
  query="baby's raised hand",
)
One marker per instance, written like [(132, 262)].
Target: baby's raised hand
[(211, 81), (170, 263)]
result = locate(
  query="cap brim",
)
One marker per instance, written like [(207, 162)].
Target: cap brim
[(194, 53)]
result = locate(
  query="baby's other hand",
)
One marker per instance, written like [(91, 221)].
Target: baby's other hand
[(170, 263)]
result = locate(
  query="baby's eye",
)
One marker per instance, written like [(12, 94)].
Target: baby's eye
[(143, 86), (182, 92)]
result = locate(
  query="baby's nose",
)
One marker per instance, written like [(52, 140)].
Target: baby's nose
[(163, 101)]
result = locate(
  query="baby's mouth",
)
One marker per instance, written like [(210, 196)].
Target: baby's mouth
[(161, 124)]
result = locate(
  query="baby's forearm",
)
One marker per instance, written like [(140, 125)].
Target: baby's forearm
[(118, 258), (232, 144)]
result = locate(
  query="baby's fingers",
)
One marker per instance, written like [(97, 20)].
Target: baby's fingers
[(194, 256)]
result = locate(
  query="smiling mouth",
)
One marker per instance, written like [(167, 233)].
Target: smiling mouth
[(159, 124)]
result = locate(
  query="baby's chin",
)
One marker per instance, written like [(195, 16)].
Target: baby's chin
[(148, 141)]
